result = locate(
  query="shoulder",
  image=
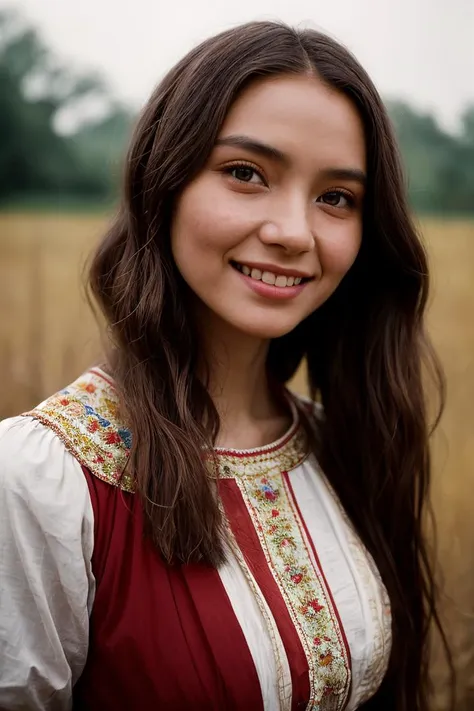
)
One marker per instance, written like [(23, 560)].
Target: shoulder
[(47, 583), (86, 417), (36, 470)]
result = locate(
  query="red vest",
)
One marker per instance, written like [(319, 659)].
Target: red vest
[(161, 637)]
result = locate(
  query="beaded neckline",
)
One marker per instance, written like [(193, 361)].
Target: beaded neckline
[(283, 454)]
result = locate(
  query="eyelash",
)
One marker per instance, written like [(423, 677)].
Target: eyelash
[(242, 164), (351, 201), (333, 191)]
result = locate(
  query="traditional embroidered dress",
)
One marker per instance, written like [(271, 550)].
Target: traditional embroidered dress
[(297, 618)]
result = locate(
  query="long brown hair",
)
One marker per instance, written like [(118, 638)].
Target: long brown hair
[(365, 347)]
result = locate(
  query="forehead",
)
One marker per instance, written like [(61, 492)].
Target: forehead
[(301, 116)]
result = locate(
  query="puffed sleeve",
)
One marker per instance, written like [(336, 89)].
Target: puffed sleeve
[(46, 581)]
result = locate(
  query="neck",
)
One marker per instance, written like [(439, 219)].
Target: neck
[(238, 384)]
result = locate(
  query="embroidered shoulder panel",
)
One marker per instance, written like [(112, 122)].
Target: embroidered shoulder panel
[(85, 416)]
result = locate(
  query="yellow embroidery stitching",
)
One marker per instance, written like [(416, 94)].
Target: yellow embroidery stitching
[(85, 416), (302, 586)]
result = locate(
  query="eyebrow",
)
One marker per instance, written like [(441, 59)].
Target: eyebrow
[(254, 146), (250, 144), (352, 174)]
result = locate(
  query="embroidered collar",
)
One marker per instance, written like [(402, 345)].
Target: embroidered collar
[(86, 417), (284, 454)]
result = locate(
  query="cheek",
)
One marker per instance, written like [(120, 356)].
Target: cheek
[(208, 220), (191, 227), (338, 253)]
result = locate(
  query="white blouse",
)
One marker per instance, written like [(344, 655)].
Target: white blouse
[(47, 585)]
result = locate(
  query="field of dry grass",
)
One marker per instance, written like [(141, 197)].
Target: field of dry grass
[(47, 336)]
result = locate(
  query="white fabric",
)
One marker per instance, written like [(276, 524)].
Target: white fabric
[(351, 580), (46, 581), (257, 635), (47, 586)]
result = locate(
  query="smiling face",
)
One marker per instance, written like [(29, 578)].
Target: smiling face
[(272, 223)]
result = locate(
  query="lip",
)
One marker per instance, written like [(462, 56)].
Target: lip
[(269, 291), (275, 269)]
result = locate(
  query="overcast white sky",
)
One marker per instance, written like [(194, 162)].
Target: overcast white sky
[(422, 50)]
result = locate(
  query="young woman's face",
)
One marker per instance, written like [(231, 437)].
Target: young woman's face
[(267, 230)]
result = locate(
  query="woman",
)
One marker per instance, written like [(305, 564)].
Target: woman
[(179, 530)]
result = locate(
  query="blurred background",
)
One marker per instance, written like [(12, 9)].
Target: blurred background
[(73, 77)]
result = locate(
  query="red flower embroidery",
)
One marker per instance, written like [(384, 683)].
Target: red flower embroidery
[(93, 426), (270, 495), (275, 513), (317, 641), (90, 388), (112, 438), (297, 578), (315, 605), (99, 459), (64, 401)]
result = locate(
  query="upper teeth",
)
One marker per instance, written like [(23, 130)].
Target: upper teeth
[(269, 277)]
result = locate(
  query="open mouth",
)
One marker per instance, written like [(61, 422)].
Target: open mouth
[(269, 277)]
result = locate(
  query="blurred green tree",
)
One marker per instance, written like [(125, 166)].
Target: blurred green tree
[(439, 165), (35, 161)]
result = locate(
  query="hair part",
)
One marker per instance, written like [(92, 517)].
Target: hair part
[(365, 347)]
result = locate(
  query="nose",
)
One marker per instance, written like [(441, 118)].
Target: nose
[(288, 227)]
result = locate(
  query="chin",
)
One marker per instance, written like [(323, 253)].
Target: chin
[(267, 330)]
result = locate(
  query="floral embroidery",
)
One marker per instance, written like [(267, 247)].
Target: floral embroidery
[(283, 539), (85, 415)]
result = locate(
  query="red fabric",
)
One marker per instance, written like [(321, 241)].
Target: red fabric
[(248, 541), (161, 637)]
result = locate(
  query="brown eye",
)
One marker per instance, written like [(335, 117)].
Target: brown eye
[(243, 173), (336, 198)]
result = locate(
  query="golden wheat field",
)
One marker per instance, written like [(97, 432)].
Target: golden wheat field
[(47, 336)]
